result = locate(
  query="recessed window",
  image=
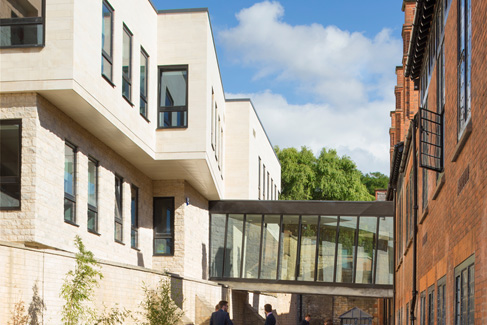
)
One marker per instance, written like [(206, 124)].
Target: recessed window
[(144, 73), (107, 41), (173, 97), (118, 209), (92, 195), (127, 64), (134, 212), (70, 183), (163, 226), (441, 301), (258, 176), (464, 64), (10, 164), (22, 23), (465, 292)]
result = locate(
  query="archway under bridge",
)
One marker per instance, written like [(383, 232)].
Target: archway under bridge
[(338, 248)]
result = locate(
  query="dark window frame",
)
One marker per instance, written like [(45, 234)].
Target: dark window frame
[(461, 297), (119, 203), (31, 21), (134, 226), (260, 163), (422, 314), (171, 235), (144, 97), (105, 55), (431, 305), (94, 209), (19, 180), (441, 302), (72, 197), (464, 69), (170, 109), (127, 77)]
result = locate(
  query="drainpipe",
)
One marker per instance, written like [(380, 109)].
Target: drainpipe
[(415, 218), (394, 257)]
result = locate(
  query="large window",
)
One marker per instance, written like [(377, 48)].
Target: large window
[(22, 23), (10, 150), (69, 183), (173, 97), (465, 292), (134, 216), (92, 195), (164, 226), (127, 64), (107, 41), (464, 63), (441, 302), (118, 209), (144, 74), (431, 305)]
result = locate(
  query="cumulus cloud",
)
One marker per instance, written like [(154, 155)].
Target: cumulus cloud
[(346, 78)]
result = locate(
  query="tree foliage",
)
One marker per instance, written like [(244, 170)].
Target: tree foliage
[(158, 306), (326, 177), (375, 181)]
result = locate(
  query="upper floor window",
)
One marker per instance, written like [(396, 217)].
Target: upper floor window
[(118, 209), (144, 72), (134, 211), (10, 150), (127, 64), (22, 23), (464, 63), (107, 41), (92, 195), (173, 97), (163, 226), (70, 183)]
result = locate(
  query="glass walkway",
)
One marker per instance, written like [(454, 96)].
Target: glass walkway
[(338, 248)]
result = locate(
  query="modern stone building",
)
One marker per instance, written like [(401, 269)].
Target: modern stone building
[(438, 165), (115, 127)]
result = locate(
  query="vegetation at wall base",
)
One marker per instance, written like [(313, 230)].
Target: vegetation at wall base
[(158, 306)]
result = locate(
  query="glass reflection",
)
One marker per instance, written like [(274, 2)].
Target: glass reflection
[(385, 251), (233, 249), (289, 247), (252, 246), (366, 249), (326, 248), (309, 232), (270, 245), (217, 244), (346, 249)]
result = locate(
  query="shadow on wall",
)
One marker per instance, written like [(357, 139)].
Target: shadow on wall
[(34, 315)]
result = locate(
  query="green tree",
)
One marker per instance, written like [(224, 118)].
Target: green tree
[(375, 181), (158, 306)]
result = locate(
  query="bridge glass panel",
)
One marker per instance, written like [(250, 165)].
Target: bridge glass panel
[(326, 248), (385, 251), (367, 234), (346, 249), (251, 247), (233, 248), (217, 244), (289, 247), (270, 245), (309, 233)]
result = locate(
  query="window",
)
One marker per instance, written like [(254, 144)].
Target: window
[(431, 305), (144, 74), (127, 64), (464, 63), (465, 292), (107, 41), (213, 109), (440, 97), (134, 213), (268, 182), (423, 309), (272, 188), (399, 224), (260, 162), (69, 183), (163, 226), (275, 192), (263, 183), (173, 97), (407, 313), (118, 209), (22, 23), (440, 302), (10, 163), (425, 188), (92, 195)]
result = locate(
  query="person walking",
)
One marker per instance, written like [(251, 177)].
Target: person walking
[(270, 319), (306, 320), (221, 316), (329, 321)]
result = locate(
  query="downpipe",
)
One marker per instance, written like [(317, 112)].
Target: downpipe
[(415, 220)]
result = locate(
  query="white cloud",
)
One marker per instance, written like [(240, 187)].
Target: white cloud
[(347, 79)]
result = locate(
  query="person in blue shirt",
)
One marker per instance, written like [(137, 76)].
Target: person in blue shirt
[(221, 316), (270, 319), (306, 320)]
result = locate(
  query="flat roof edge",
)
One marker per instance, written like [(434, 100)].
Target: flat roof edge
[(179, 11)]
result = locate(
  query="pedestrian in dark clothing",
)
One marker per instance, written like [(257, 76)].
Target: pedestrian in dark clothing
[(269, 319), (306, 320), (221, 316)]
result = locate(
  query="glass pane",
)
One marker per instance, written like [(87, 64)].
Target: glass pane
[(309, 232), (107, 30), (69, 166), (143, 74), (173, 88), (173, 119), (134, 238), (346, 249), (126, 88), (134, 206), (92, 183), (20, 9), (118, 231), (270, 246), (106, 68), (9, 165), (252, 246), (69, 210), (471, 294), (126, 54), (326, 248), (163, 215), (92, 220), (118, 198), (12, 35), (385, 252), (217, 243), (163, 246), (143, 107), (366, 249), (289, 247), (233, 251)]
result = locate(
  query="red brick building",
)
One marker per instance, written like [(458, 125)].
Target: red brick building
[(439, 164)]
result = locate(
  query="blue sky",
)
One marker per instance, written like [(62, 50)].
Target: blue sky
[(319, 72)]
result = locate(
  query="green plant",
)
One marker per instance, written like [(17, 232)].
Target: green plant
[(78, 286), (19, 315), (112, 316), (158, 306)]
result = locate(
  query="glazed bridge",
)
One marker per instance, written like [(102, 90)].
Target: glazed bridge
[(314, 247)]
